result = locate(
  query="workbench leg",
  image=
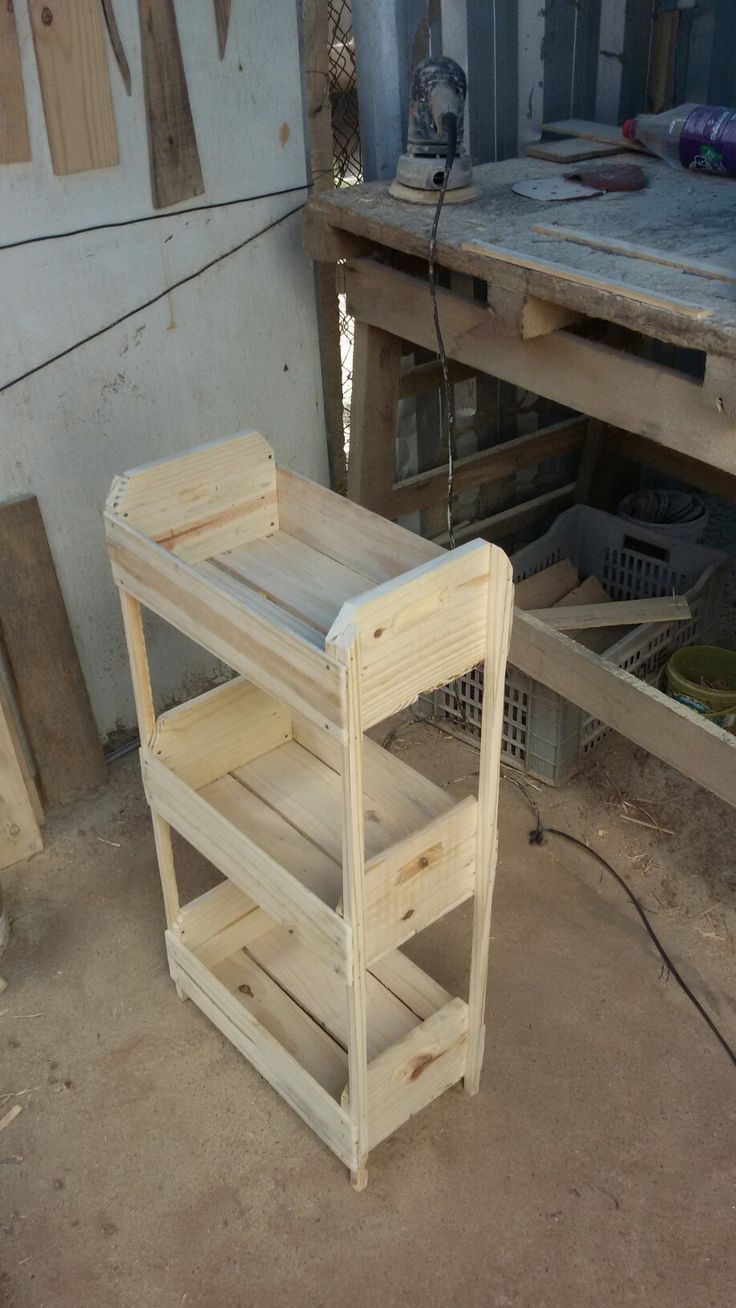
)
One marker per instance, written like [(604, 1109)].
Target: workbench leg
[(373, 410), (141, 676), (498, 631)]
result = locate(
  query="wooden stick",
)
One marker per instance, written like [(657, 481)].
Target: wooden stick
[(613, 246), (571, 617), (564, 274), (10, 1116)]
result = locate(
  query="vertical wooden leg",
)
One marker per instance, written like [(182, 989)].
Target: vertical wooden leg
[(140, 673), (353, 875), (500, 602), (372, 456)]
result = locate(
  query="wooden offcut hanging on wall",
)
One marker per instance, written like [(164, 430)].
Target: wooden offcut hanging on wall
[(176, 173), (15, 146)]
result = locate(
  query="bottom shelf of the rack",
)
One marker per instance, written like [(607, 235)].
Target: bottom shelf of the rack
[(286, 1011)]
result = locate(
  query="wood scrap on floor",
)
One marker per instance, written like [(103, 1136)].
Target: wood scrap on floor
[(176, 173), (19, 833), (15, 146), (71, 55), (50, 689)]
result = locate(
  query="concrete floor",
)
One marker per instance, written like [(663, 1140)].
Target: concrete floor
[(152, 1166)]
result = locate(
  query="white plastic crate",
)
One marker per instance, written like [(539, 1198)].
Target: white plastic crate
[(545, 735)]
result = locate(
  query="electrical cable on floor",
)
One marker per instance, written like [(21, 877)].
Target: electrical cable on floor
[(450, 122), (536, 837), (139, 308)]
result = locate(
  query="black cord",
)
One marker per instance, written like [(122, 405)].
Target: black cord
[(6, 386), (536, 837), (157, 217), (449, 122)]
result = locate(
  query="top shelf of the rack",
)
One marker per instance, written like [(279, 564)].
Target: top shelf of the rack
[(279, 578)]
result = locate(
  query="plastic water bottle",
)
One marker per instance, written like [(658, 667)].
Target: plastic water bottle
[(700, 137)]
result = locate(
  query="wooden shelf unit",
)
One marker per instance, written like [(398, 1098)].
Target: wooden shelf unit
[(334, 852)]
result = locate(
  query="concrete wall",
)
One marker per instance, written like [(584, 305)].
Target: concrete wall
[(236, 347)]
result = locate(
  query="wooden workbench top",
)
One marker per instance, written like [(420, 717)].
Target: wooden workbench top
[(686, 217)]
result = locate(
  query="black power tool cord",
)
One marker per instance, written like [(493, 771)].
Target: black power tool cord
[(536, 837), (449, 125)]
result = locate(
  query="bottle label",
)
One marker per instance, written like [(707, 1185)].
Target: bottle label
[(708, 141)]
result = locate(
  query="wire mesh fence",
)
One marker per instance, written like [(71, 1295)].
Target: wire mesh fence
[(347, 161)]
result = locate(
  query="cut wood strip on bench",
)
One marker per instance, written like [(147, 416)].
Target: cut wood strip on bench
[(617, 613), (51, 693), (624, 289), (610, 245), (176, 173), (15, 146), (71, 54), (571, 150), (607, 133)]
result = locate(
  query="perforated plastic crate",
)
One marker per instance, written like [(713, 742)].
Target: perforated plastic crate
[(545, 735)]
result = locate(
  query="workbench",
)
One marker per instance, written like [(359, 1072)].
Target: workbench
[(569, 313)]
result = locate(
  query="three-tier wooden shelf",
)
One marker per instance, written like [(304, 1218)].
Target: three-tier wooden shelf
[(334, 852)]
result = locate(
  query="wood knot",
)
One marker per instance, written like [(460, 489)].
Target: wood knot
[(422, 1062), (409, 913), (47, 17), (424, 861), (245, 989), (378, 632)]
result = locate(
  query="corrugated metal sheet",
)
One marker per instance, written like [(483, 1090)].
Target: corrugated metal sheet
[(531, 60)]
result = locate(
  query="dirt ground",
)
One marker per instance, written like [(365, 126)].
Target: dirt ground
[(151, 1166)]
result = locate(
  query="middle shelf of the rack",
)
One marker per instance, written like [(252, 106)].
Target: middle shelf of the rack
[(258, 792)]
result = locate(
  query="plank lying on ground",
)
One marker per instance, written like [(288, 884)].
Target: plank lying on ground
[(611, 245), (51, 693), (19, 833), (607, 133), (15, 147), (625, 289), (71, 54), (571, 150), (546, 587), (673, 733), (176, 173), (564, 617)]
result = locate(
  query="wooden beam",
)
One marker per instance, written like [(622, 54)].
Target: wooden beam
[(516, 518), (674, 463), (375, 396), (427, 377), (51, 694), (19, 833), (488, 465), (673, 733), (660, 403)]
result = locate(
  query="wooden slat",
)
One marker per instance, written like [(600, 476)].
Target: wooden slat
[(346, 531), (488, 465), (176, 173), (50, 689), (662, 404), (627, 613), (215, 497), (71, 54), (419, 879), (116, 42), (248, 865), (300, 1090), (517, 518), (674, 463), (15, 145), (288, 1023), (19, 833), (310, 585), (414, 987), (375, 396), (219, 922), (611, 245), (673, 733), (277, 660), (407, 1077), (500, 254), (607, 133), (420, 631), (220, 731), (222, 23), (547, 586), (312, 984), (312, 866)]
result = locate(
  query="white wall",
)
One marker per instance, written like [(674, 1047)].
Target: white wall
[(235, 348)]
